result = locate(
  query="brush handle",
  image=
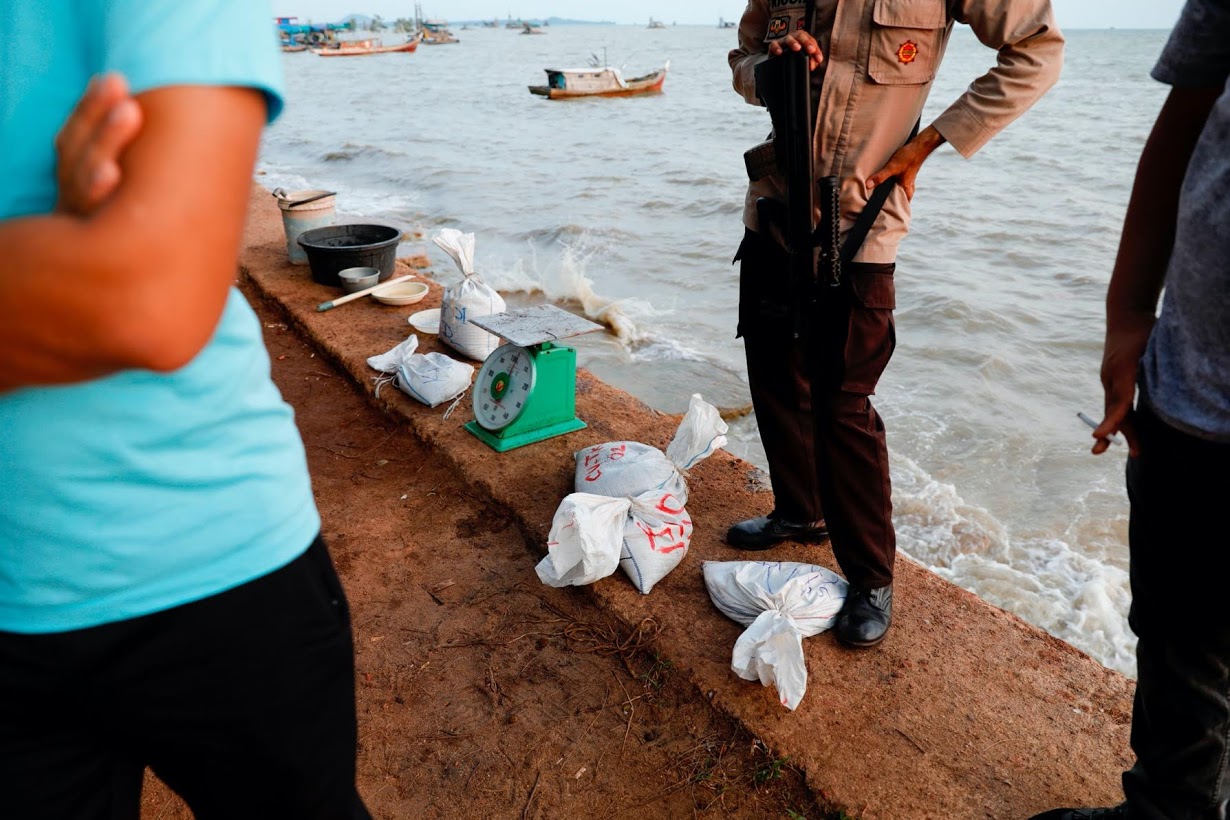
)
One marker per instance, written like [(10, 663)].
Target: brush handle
[(350, 297)]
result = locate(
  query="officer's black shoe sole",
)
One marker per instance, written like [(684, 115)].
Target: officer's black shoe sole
[(765, 533), (857, 644)]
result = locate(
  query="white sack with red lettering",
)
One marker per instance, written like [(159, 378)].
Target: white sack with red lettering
[(646, 536), (629, 468), (780, 604)]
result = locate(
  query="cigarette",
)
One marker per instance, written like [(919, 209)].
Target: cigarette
[(1113, 439)]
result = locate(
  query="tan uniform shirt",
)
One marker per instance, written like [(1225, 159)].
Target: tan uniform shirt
[(881, 57)]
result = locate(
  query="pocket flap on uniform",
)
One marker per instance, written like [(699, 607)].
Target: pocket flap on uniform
[(874, 289), (910, 13)]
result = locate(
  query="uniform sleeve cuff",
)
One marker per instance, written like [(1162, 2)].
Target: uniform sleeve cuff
[(960, 127), (747, 78)]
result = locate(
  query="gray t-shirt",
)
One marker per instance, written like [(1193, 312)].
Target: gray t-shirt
[(1186, 368)]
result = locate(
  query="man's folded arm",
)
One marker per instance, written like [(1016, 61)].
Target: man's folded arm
[(141, 283)]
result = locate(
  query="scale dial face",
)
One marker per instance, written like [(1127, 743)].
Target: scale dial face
[(503, 388)]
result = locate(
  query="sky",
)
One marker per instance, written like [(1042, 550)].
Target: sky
[(1071, 13)]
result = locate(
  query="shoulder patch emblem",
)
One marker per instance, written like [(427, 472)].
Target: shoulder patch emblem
[(908, 52), (778, 26)]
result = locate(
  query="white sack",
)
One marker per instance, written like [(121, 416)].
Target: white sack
[(781, 604), (629, 468), (434, 378), (469, 299), (585, 541), (656, 537), (591, 535), (431, 378), (392, 361)]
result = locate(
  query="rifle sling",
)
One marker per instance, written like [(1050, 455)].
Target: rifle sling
[(867, 219)]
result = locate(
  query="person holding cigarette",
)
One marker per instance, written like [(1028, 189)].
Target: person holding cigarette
[(1167, 389)]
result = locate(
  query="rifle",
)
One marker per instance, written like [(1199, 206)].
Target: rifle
[(783, 84)]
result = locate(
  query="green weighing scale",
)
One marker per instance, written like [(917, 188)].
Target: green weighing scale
[(526, 390)]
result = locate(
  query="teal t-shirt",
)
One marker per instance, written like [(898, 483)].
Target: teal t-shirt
[(140, 491)]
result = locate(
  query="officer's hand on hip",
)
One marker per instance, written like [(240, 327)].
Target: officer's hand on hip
[(798, 41), (906, 163)]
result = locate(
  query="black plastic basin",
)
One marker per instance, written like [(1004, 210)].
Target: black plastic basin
[(337, 247)]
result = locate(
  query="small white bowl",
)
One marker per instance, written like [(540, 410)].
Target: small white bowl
[(401, 293)]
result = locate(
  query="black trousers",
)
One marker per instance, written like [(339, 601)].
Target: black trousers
[(243, 703), (825, 442), (1180, 566)]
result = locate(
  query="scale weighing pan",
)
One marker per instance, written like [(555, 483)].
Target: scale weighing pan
[(525, 391)]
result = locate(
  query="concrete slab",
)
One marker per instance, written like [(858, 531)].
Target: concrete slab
[(965, 711)]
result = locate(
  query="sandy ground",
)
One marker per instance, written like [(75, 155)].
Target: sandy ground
[(481, 692)]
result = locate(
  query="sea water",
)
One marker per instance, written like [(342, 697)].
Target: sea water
[(628, 210)]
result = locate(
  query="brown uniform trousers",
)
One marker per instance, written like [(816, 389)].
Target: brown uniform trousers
[(825, 442)]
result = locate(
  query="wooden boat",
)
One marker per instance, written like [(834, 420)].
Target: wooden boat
[(436, 33), (432, 32), (359, 48), (602, 81), (291, 49), (532, 29), (656, 23)]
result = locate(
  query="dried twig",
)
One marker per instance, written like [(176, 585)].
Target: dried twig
[(917, 745), (603, 640), (335, 452), (631, 711), (526, 811)]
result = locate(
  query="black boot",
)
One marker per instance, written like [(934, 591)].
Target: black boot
[(768, 531), (865, 618), (1081, 814)]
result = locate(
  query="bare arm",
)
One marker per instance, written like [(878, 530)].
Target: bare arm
[(1144, 253), (141, 282)]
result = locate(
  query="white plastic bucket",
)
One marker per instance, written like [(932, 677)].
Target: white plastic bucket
[(303, 211)]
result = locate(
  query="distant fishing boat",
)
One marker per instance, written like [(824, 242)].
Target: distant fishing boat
[(360, 48), (603, 81), (656, 23), (433, 32), (532, 29), (436, 33)]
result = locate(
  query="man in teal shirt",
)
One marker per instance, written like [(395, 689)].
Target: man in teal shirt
[(165, 599)]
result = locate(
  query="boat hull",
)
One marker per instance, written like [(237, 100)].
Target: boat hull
[(404, 48), (649, 84)]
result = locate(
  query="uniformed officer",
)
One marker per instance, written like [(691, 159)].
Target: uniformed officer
[(873, 63)]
